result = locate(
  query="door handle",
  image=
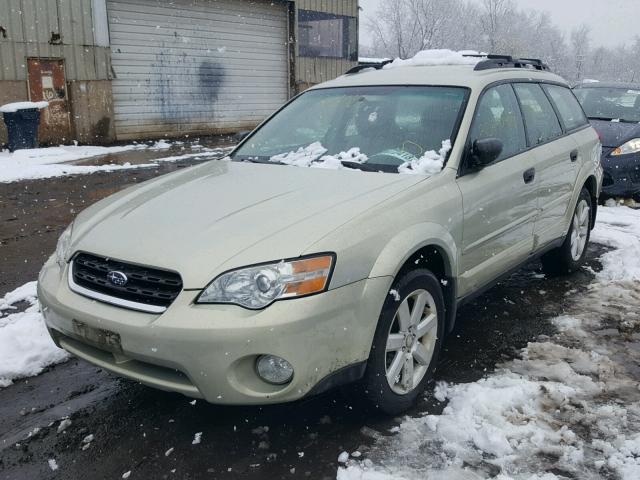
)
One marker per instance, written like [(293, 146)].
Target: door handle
[(574, 155), (529, 175)]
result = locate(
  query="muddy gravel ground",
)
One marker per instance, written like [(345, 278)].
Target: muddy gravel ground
[(151, 433)]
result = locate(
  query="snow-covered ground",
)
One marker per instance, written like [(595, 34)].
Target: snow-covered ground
[(568, 407), (51, 162), (25, 346)]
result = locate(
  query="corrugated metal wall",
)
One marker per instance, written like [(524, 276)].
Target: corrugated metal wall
[(316, 70), (29, 25), (196, 66)]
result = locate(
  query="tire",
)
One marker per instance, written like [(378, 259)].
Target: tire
[(413, 357), (571, 254)]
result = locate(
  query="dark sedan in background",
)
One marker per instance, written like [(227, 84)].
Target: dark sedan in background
[(614, 111)]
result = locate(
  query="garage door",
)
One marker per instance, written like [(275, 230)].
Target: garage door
[(196, 66)]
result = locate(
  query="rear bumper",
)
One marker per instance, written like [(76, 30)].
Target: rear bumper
[(209, 351), (621, 175)]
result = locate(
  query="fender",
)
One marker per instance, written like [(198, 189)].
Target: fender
[(585, 172), (406, 242)]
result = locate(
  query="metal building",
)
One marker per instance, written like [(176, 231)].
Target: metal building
[(135, 69)]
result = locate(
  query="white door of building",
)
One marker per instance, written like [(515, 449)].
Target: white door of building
[(196, 66)]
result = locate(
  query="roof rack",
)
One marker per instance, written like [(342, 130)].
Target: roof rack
[(507, 61), (364, 66)]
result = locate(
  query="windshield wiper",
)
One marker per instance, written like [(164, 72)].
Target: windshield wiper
[(614, 120), (370, 167), (262, 160)]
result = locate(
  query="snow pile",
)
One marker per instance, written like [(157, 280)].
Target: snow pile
[(14, 107), (303, 157), (569, 407), (432, 58), (44, 162), (161, 144), (430, 163), (313, 156), (25, 346)]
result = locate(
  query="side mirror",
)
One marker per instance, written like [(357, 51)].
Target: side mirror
[(485, 151), (241, 135)]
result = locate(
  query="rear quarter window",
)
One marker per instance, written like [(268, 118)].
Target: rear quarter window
[(569, 108)]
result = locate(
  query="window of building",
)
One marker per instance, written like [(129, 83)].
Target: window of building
[(327, 35)]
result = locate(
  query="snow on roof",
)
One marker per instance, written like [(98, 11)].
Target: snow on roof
[(14, 107), (430, 58), (372, 60)]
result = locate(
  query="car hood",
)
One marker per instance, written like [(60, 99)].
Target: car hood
[(221, 215), (614, 134)]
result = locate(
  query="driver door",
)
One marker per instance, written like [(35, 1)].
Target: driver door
[(500, 201)]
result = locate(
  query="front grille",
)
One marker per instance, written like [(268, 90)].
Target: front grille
[(145, 285)]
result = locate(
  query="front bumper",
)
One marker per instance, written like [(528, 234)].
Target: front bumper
[(621, 174), (209, 351)]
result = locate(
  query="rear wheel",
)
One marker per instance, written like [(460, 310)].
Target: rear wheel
[(407, 342), (570, 256)]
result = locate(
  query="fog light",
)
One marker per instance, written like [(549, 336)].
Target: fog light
[(274, 370)]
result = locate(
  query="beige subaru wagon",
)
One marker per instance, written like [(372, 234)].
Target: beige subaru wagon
[(337, 240)]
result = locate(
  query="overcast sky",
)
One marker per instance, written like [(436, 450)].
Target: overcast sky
[(612, 21)]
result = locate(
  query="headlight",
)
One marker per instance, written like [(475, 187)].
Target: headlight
[(259, 286), (62, 248), (632, 146)]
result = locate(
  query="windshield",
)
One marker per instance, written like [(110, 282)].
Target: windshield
[(610, 103), (371, 128)]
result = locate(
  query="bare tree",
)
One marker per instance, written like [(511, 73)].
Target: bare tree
[(401, 28), (494, 21), (580, 44)]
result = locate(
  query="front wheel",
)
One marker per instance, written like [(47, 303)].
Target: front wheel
[(407, 342), (570, 256)]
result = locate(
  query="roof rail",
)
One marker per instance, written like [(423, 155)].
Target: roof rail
[(507, 61), (364, 66)]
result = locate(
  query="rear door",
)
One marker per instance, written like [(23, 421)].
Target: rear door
[(500, 200), (556, 158)]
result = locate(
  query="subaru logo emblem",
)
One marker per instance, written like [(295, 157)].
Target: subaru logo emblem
[(118, 279)]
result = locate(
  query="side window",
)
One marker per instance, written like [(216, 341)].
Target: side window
[(498, 116), (567, 105), (540, 118)]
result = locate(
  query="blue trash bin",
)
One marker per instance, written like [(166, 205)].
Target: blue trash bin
[(22, 128)]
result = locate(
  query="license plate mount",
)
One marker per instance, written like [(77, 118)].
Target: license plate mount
[(98, 337)]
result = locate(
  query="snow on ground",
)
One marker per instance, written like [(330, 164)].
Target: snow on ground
[(568, 407), (25, 346), (50, 162)]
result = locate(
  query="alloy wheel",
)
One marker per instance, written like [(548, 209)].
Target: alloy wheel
[(411, 341), (580, 231)]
